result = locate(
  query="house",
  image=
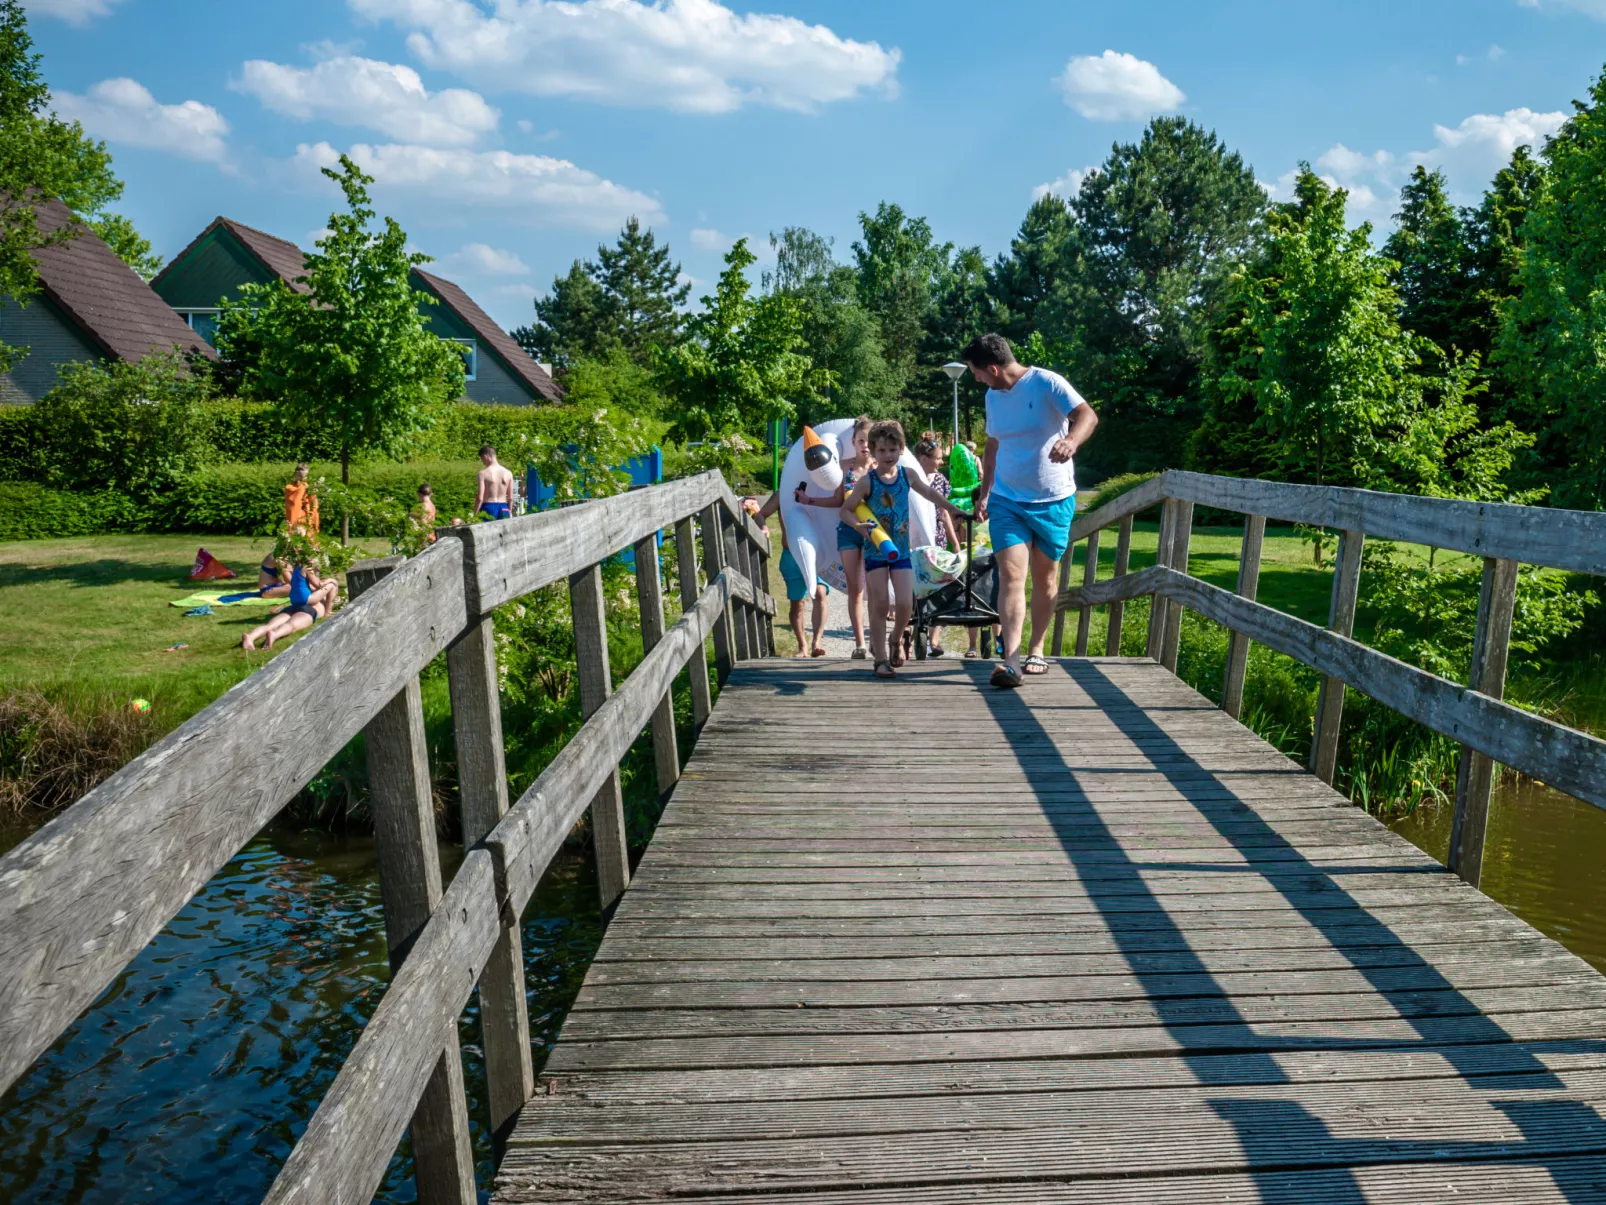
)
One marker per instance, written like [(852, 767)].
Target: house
[(90, 307), (228, 254)]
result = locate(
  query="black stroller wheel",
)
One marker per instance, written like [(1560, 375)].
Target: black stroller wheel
[(921, 643), (987, 643)]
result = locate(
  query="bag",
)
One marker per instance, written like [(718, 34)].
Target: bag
[(935, 568)]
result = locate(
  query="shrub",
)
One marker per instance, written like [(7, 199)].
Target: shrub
[(29, 511), (17, 440), (51, 753)]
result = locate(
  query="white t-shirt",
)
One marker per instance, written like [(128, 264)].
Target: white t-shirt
[(1026, 421)]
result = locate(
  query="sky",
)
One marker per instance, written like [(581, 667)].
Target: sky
[(510, 137)]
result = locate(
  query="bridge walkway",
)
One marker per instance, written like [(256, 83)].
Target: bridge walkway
[(1092, 941)]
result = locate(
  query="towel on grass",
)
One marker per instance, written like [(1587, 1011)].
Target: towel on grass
[(215, 598)]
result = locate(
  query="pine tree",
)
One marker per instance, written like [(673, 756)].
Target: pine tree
[(901, 269), (644, 291), (1023, 281), (572, 323), (1435, 272), (1496, 231)]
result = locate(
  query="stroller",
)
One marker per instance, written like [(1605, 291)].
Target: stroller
[(969, 602)]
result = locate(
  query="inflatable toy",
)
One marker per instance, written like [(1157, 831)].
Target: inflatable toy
[(964, 475), (814, 463)]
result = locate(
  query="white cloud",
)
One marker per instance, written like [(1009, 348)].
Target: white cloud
[(1117, 87), (385, 97), (1592, 8), (122, 110), (1066, 186), (691, 55), (709, 240), (481, 259), (532, 189), (74, 12)]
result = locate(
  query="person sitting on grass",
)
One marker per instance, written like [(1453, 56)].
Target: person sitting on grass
[(796, 589), (889, 583), (273, 577), (311, 599)]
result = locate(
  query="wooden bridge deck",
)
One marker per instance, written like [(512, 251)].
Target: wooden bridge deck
[(1088, 942)]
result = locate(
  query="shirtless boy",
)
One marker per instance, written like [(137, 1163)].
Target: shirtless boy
[(495, 494)]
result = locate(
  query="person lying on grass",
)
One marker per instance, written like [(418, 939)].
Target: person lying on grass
[(311, 599), (885, 490)]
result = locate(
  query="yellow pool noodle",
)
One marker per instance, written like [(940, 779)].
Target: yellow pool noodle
[(878, 536)]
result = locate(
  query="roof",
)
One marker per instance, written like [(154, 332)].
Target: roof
[(119, 312), (512, 357), (279, 256)]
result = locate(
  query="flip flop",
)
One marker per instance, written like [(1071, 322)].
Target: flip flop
[(817, 653), (972, 655), (1004, 678), (1035, 664), (886, 666)]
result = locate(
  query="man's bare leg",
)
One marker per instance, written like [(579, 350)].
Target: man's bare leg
[(1045, 588), (1012, 567)]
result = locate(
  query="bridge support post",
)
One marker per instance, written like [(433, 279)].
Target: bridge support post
[(766, 623), (690, 591), (1181, 538), (1090, 572), (1117, 611), (403, 808), (1157, 602), (1340, 619), (650, 594), (482, 785), (1056, 643), (1474, 779), (713, 566), (596, 684), (748, 615), (731, 545), (1232, 689)]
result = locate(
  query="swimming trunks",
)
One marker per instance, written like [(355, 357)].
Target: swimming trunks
[(496, 510), (872, 563), (1045, 525), (792, 573)]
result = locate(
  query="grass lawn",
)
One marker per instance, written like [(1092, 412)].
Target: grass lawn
[(88, 618)]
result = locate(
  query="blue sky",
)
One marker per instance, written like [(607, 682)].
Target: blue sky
[(510, 136)]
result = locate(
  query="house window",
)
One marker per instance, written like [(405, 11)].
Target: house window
[(471, 358), (202, 322)]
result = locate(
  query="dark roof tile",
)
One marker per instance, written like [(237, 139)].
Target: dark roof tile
[(513, 357)]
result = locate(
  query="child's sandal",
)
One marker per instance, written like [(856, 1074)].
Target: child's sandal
[(883, 669)]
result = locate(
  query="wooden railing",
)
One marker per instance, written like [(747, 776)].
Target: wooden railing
[(1489, 730), (82, 897)]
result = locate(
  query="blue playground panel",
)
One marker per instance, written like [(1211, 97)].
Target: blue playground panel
[(646, 469)]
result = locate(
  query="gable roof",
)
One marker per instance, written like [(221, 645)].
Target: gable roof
[(276, 255), (119, 312), (511, 356)]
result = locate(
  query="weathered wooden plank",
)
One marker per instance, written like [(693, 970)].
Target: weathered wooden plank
[(702, 698), (1128, 505), (1341, 622), (1123, 555), (1232, 689), (346, 1147), (1084, 617), (1176, 558), (1474, 784), (86, 892), (596, 684), (1056, 644), (715, 566), (650, 597), (1158, 606)]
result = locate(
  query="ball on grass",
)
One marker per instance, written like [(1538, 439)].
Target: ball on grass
[(140, 706)]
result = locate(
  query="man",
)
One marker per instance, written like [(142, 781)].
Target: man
[(494, 497), (1036, 422)]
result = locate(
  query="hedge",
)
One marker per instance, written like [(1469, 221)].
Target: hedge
[(248, 499), (35, 512)]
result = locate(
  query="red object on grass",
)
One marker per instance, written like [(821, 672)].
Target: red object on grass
[(209, 569)]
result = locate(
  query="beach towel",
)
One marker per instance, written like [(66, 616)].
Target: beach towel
[(220, 598)]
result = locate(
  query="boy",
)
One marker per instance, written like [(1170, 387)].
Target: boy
[(423, 516), (796, 591), (885, 490)]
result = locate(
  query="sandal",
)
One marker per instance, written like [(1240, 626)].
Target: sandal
[(883, 669), (1004, 678), (1035, 664), (860, 653), (817, 653), (972, 654), (935, 650), (898, 660)]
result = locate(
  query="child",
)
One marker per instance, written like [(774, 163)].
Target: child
[(423, 516), (885, 489), (796, 592), (929, 453), (854, 455)]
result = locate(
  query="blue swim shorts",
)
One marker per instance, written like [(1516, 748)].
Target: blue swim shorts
[(796, 591), (848, 539), (1044, 525), (496, 510), (872, 563)]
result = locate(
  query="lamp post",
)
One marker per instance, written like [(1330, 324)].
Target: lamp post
[(955, 370)]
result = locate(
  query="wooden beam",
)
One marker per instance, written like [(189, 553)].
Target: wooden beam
[(732, 550), (1340, 619), (401, 802), (1123, 557), (1057, 640), (1090, 573), (596, 684), (702, 699), (714, 565), (650, 596), (1232, 689), (1128, 505), (1475, 773), (1181, 540), (1158, 605), (482, 785)]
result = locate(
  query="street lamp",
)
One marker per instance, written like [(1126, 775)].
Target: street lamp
[(955, 370)]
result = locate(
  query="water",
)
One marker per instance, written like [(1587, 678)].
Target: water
[(190, 1078), (1544, 858)]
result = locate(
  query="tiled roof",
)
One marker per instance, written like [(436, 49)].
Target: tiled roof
[(104, 296), (513, 357)]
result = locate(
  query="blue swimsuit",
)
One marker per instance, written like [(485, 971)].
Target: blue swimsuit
[(889, 503)]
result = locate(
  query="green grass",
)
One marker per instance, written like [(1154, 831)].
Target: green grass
[(87, 619)]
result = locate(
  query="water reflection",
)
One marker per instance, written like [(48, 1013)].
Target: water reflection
[(1544, 858), (191, 1076)]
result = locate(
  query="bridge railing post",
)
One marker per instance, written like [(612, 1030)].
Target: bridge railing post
[(1157, 602), (596, 684), (1181, 539), (1117, 611), (713, 566), (1340, 619), (1474, 780), (690, 590), (1084, 615), (402, 805), (1232, 689), (1056, 646), (650, 596), (746, 558), (766, 623)]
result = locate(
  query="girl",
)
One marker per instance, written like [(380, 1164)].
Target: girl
[(855, 458)]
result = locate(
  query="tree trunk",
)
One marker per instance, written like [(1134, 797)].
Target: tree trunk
[(345, 479)]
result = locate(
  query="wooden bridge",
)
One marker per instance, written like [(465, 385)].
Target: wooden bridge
[(1092, 941)]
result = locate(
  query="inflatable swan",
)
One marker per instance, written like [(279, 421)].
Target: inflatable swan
[(815, 461)]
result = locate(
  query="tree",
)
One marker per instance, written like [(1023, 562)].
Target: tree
[(1496, 232), (1552, 342), (572, 323), (901, 270), (644, 291), (1435, 273), (742, 361), (964, 308), (351, 355), (40, 156), (1041, 253), (131, 247)]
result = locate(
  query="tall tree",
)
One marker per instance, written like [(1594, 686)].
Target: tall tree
[(572, 323), (644, 291), (40, 156), (964, 308), (1552, 341), (1041, 253), (350, 356), (1435, 272), (1496, 232), (901, 270)]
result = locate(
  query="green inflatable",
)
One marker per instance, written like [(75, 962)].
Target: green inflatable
[(964, 475)]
